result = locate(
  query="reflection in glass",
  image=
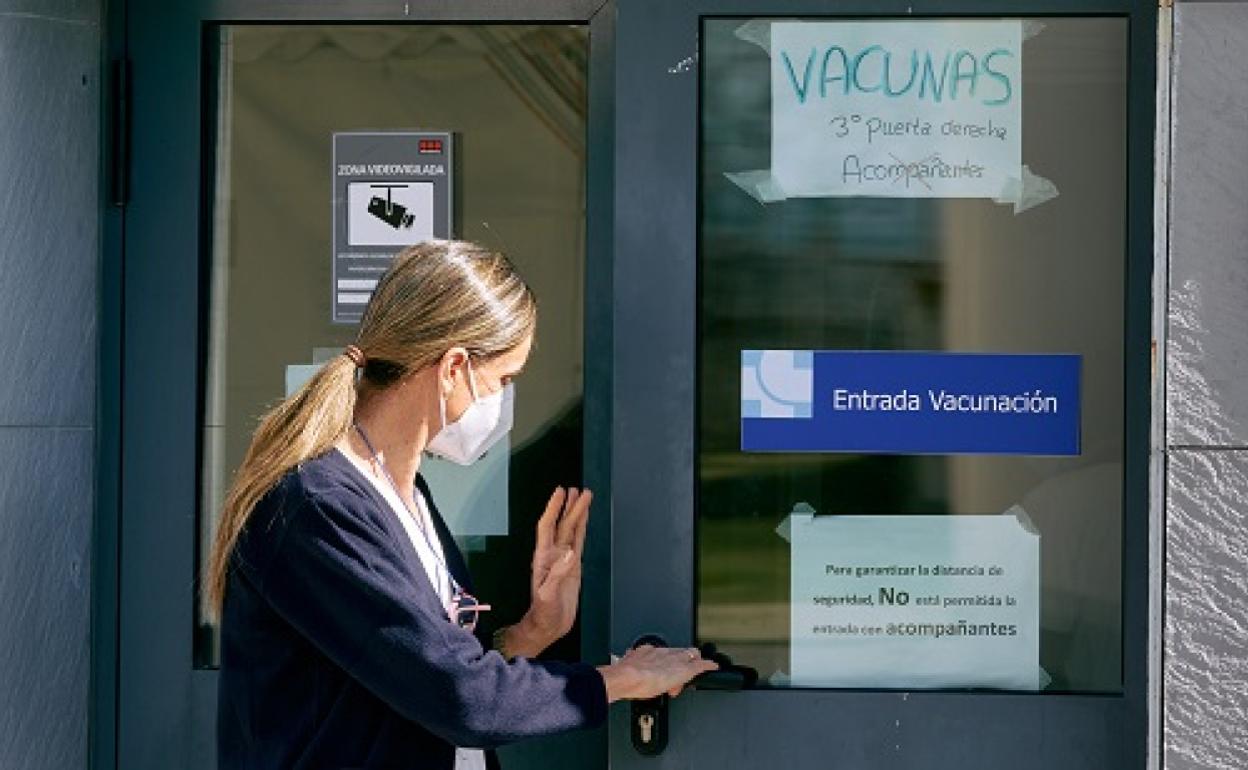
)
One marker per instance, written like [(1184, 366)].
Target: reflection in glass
[(919, 274), (515, 98)]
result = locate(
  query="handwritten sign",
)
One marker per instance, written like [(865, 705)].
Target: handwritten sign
[(915, 601), (905, 109)]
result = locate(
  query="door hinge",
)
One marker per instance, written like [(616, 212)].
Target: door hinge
[(119, 132)]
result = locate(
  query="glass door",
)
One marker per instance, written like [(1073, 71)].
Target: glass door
[(281, 156), (887, 386)]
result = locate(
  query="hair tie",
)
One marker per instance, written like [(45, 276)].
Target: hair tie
[(355, 355)]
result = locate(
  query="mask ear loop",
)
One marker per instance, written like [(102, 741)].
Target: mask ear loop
[(472, 380), (442, 408), (472, 388)]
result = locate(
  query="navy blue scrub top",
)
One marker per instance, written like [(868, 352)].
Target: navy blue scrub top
[(336, 651)]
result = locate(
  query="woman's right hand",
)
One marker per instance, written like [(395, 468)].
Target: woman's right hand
[(648, 672)]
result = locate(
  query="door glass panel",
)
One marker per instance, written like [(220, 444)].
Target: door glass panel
[(913, 273), (513, 97)]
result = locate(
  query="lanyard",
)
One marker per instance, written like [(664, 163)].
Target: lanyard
[(450, 581)]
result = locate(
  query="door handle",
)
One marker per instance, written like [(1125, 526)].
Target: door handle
[(729, 677), (648, 724), (730, 681)]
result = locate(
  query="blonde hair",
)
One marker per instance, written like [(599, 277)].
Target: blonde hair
[(437, 295)]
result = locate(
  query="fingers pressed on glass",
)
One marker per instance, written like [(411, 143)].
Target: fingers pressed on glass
[(567, 520), (546, 524), (582, 522)]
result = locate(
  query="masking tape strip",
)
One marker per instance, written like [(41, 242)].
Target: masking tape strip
[(1024, 520), (1028, 192), (325, 355), (785, 528), (1043, 679), (1024, 192), (756, 31), (472, 543), (759, 185)]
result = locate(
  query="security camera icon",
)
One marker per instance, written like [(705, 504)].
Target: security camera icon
[(394, 214)]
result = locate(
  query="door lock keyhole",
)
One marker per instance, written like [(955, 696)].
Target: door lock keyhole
[(649, 717)]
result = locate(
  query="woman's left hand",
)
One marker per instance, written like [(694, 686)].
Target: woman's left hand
[(555, 583)]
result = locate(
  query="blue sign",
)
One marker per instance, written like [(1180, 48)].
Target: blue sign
[(909, 403)]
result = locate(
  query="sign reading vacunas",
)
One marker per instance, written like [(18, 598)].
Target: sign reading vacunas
[(915, 601), (391, 189), (909, 109), (909, 403)]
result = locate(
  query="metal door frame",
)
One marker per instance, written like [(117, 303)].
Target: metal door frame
[(654, 446), (150, 707)]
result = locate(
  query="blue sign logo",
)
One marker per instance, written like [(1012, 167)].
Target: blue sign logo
[(909, 403)]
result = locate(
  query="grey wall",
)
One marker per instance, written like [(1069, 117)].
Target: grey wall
[(49, 237), (1206, 605)]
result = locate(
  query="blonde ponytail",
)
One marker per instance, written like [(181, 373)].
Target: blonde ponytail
[(303, 426), (435, 296)]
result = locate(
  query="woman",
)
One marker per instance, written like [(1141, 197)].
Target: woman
[(346, 613)]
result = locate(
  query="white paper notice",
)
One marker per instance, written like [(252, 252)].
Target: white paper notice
[(915, 601), (907, 109), (472, 499)]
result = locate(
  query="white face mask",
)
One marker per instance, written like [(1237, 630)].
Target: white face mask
[(483, 423)]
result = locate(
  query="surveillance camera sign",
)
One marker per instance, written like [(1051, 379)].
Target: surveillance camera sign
[(389, 214), (392, 189)]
